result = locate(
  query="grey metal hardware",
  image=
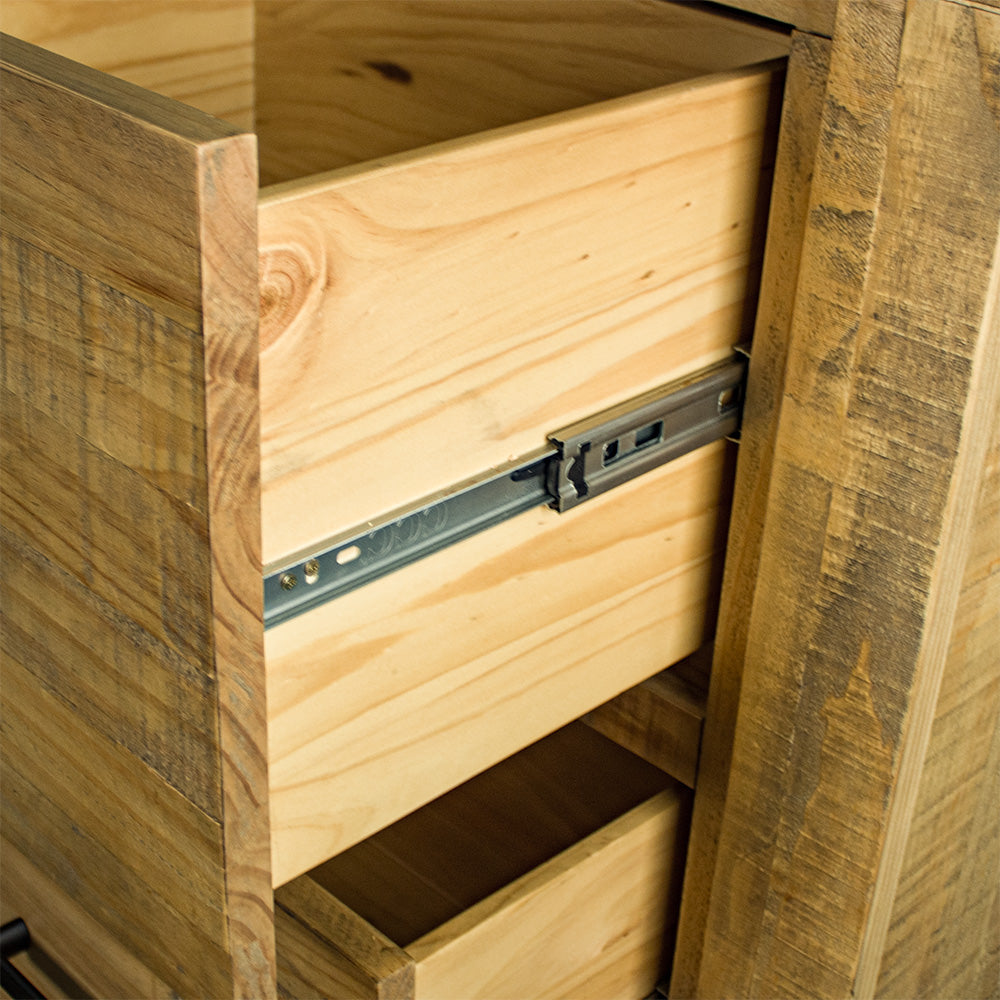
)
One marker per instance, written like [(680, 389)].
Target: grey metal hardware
[(586, 459)]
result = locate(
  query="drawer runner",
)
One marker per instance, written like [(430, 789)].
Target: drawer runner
[(582, 461)]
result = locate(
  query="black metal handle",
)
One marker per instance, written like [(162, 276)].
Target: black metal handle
[(14, 938)]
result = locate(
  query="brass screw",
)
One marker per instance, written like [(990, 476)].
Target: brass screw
[(311, 570), (288, 581)]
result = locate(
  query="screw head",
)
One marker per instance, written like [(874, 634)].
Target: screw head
[(288, 581), (311, 571)]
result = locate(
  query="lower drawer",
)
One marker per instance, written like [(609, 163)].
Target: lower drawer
[(555, 873)]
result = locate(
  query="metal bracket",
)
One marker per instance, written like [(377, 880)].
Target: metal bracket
[(623, 442), (586, 459)]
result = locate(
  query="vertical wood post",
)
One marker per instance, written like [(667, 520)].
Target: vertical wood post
[(893, 370)]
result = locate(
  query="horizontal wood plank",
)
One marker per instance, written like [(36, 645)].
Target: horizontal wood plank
[(416, 682), (326, 950), (439, 315)]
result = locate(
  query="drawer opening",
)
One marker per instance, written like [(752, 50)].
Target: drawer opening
[(340, 82), (489, 853)]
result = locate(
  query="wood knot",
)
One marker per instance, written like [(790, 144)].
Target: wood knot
[(289, 278)]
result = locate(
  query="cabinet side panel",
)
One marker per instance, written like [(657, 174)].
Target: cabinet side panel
[(131, 585), (884, 428), (944, 939)]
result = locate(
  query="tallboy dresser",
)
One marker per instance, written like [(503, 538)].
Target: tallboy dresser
[(401, 248)]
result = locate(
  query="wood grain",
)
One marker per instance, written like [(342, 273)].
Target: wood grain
[(661, 719), (885, 420), (464, 302), (129, 308), (457, 850), (591, 924), (345, 82), (800, 125), (326, 950), (554, 873), (944, 939), (814, 16), (96, 961), (201, 54), (418, 681)]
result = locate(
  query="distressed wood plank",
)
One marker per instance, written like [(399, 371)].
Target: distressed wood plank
[(201, 54), (418, 681), (137, 248), (95, 960), (892, 375), (344, 82), (944, 939), (801, 113), (464, 302)]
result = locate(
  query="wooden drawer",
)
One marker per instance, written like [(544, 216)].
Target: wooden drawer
[(432, 314), (554, 874)]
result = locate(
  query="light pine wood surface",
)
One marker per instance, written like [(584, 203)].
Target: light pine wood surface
[(199, 52), (131, 547), (418, 681), (345, 82), (553, 874), (883, 430), (466, 301)]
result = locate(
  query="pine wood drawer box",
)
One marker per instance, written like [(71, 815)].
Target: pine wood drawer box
[(433, 314), (555, 873), (546, 216)]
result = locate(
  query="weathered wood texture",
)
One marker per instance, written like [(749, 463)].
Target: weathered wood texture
[(944, 939), (661, 720), (465, 301), (801, 111), (200, 53), (892, 377), (416, 682), (340, 83), (134, 770)]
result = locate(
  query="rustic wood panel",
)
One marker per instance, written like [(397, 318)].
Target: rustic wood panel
[(944, 939), (95, 960), (801, 111), (147, 562), (463, 303), (199, 53), (344, 82), (418, 681), (661, 719), (893, 372)]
